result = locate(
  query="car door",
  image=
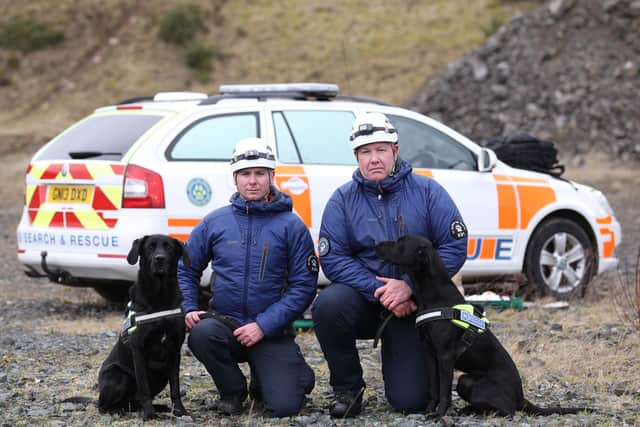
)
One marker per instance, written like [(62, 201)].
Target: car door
[(487, 211), (314, 157)]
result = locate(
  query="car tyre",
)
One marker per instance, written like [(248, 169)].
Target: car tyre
[(560, 259)]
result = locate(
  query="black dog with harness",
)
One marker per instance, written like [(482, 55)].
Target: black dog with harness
[(457, 337), (146, 356)]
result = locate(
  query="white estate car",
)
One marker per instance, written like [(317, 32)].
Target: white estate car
[(159, 164)]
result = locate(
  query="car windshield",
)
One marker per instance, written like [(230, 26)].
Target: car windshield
[(104, 137)]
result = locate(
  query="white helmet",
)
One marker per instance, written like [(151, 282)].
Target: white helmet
[(372, 127), (252, 153)]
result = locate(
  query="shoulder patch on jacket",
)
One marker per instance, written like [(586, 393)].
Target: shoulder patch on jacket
[(458, 229), (312, 264), (324, 246)]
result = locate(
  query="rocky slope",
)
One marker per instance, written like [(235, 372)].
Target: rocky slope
[(569, 71)]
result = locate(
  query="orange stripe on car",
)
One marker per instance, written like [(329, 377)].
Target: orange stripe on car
[(472, 246), (520, 199), (609, 245), (532, 199), (183, 222), (488, 249), (508, 207), (183, 237), (605, 220), (302, 200), (424, 172)]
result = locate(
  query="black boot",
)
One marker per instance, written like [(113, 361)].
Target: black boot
[(230, 405), (346, 404)]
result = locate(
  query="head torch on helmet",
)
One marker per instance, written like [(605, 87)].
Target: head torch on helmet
[(252, 153), (368, 129), (372, 127)]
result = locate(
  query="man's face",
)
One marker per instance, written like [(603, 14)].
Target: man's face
[(253, 183), (376, 160)]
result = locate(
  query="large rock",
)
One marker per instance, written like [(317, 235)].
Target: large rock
[(569, 71)]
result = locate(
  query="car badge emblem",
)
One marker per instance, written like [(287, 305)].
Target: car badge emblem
[(65, 170), (199, 191)]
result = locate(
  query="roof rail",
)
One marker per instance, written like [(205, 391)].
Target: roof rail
[(166, 96), (135, 99), (179, 96)]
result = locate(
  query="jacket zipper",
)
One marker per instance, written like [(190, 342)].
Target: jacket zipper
[(247, 266)]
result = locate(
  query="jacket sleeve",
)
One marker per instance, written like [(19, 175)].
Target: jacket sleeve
[(302, 280), (189, 277), (448, 231), (337, 260)]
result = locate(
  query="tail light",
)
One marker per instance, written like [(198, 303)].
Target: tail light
[(142, 188)]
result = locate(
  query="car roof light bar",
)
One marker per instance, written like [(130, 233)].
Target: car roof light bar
[(310, 90)]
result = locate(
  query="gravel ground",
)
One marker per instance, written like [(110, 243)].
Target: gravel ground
[(53, 340)]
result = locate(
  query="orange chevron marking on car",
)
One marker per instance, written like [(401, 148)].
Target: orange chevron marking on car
[(608, 246), (424, 172), (293, 181), (106, 197), (520, 199)]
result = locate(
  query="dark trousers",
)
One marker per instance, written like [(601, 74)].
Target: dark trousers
[(340, 316), (278, 368)]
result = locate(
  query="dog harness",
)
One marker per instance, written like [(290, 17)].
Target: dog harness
[(133, 319), (466, 316)]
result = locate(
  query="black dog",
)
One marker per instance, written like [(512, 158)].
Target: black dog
[(147, 354), (491, 382)]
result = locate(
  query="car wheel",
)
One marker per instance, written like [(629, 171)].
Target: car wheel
[(559, 259), (116, 294)]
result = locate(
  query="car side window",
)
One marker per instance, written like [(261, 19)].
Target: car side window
[(314, 137), (213, 138), (426, 147)]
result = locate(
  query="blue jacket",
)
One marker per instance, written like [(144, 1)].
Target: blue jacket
[(361, 213), (263, 261)]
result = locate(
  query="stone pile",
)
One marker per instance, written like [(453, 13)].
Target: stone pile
[(569, 72)]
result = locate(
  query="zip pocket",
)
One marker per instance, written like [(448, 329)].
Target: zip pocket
[(263, 260)]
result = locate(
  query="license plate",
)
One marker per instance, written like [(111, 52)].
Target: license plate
[(70, 194)]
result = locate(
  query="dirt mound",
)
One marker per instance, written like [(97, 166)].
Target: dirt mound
[(568, 71)]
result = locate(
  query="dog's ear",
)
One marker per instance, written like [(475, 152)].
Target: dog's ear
[(182, 250), (134, 252)]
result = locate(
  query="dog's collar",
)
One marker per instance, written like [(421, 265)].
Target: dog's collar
[(465, 316), (133, 319)]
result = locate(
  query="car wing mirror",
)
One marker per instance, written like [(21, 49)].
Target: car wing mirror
[(487, 160)]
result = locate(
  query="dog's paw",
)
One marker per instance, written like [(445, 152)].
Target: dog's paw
[(179, 411), (148, 412)]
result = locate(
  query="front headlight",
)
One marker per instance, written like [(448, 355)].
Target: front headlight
[(603, 202), (597, 196)]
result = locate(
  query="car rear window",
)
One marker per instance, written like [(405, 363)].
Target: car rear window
[(106, 137)]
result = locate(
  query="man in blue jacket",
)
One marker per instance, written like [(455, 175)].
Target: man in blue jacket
[(384, 201), (264, 277)]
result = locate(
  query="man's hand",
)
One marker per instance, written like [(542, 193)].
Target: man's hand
[(404, 309), (191, 318), (249, 334), (395, 296)]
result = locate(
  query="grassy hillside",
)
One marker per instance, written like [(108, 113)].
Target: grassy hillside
[(111, 50)]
